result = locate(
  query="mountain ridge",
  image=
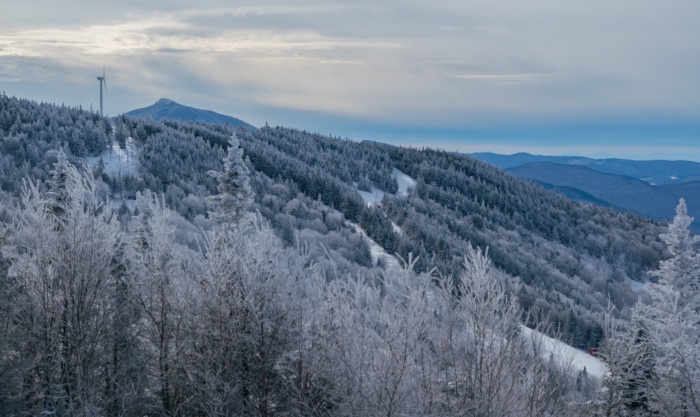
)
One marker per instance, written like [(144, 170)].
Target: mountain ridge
[(620, 191)]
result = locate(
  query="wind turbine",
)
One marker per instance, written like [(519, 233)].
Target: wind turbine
[(102, 81)]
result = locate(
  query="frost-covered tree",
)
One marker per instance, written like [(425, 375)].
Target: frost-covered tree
[(675, 335), (61, 262), (58, 185), (629, 357), (672, 319), (126, 375), (11, 369), (121, 133), (481, 344), (162, 270), (403, 321), (490, 366), (245, 348), (404, 346), (378, 335), (682, 270), (235, 194)]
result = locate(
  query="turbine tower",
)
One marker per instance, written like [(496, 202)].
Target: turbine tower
[(102, 81)]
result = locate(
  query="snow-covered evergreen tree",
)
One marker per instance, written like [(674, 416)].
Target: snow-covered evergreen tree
[(126, 375), (235, 194), (673, 322), (629, 357), (682, 270), (57, 185)]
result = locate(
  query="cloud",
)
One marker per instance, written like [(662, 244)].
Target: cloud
[(508, 79), (174, 50), (442, 63), (173, 31)]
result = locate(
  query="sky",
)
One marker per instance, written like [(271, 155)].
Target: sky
[(601, 78)]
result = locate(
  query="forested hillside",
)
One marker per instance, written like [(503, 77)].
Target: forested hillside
[(569, 258), (230, 275), (32, 133)]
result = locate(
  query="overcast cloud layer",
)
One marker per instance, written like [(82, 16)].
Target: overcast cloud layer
[(505, 75)]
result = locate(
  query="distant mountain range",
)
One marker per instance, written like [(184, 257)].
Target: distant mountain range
[(649, 188), (166, 109), (653, 172)]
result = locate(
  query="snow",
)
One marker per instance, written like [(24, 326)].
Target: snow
[(404, 182), (117, 160), (377, 251), (116, 203), (635, 285), (579, 359), (673, 177), (374, 197)]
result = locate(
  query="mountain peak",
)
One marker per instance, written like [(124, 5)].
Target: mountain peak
[(167, 109), (165, 101)]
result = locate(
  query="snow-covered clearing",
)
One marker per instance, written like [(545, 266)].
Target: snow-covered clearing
[(396, 228), (579, 359), (116, 203), (117, 160), (374, 197), (404, 182), (377, 251), (635, 285)]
